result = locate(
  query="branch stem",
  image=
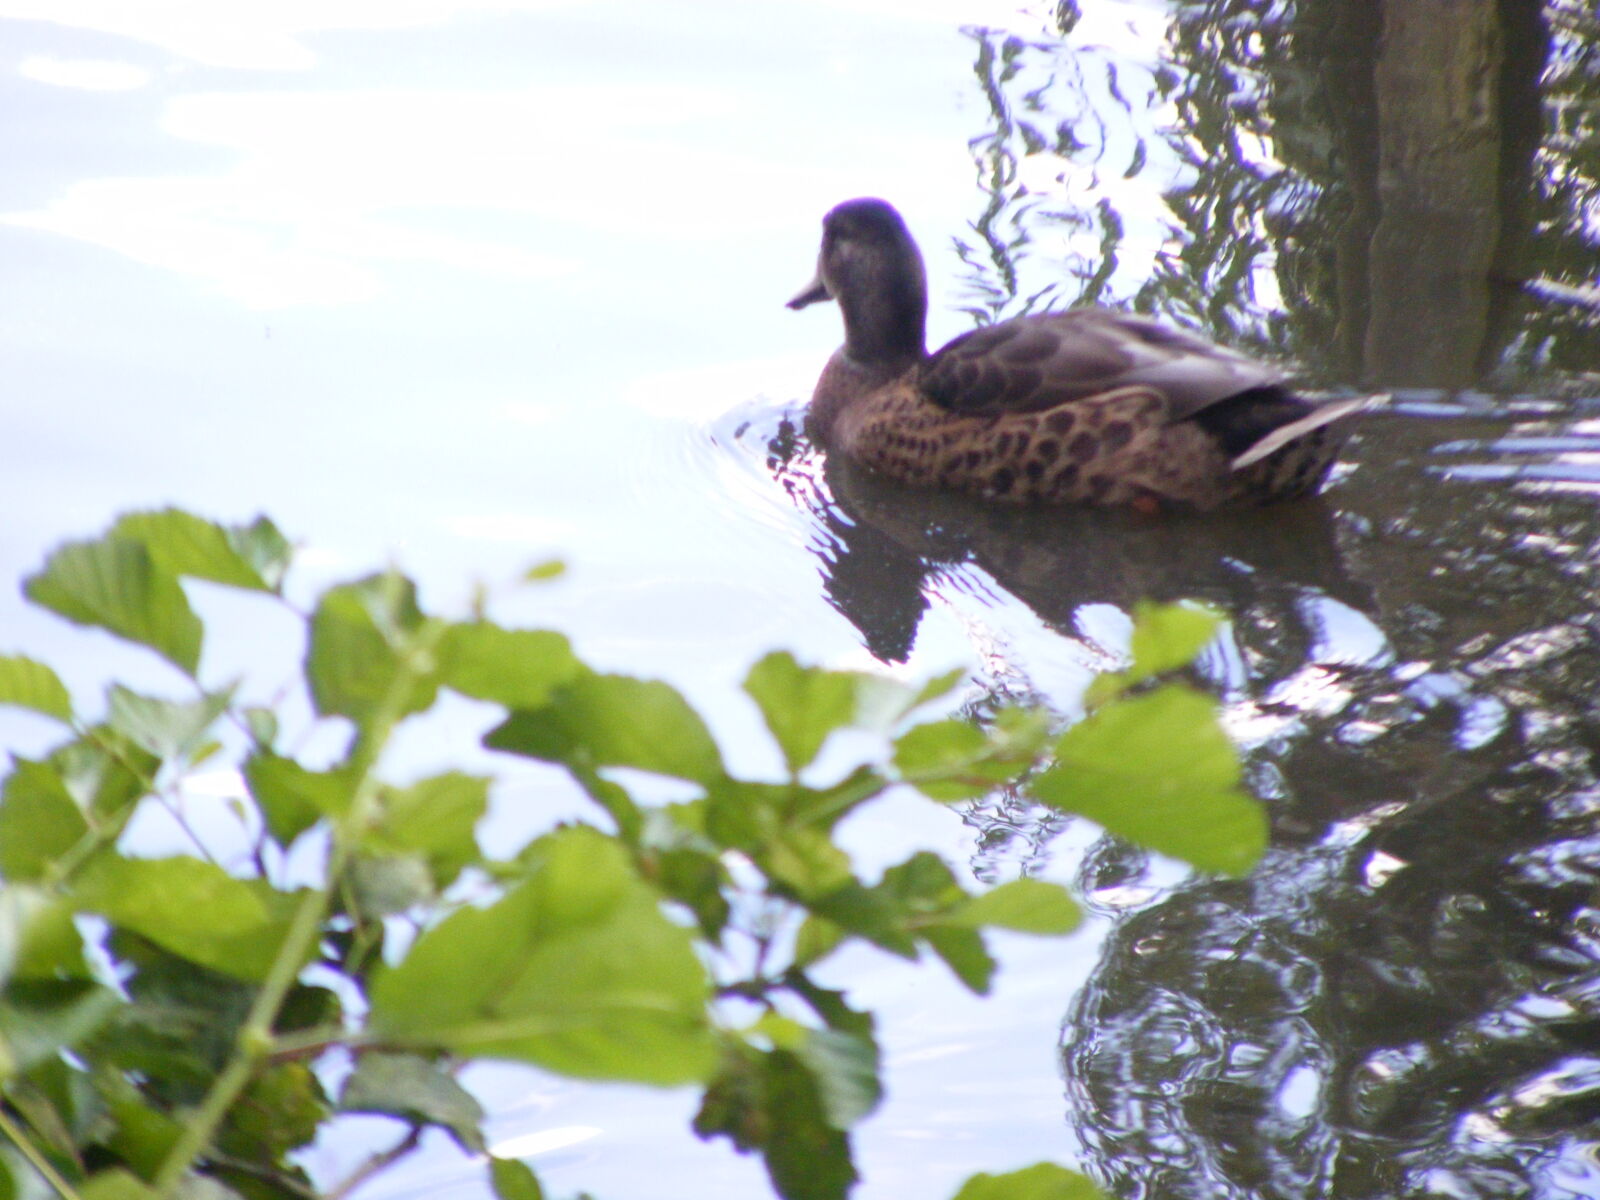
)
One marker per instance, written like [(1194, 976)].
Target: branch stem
[(36, 1158), (255, 1043)]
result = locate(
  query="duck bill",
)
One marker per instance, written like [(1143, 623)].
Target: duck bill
[(812, 293)]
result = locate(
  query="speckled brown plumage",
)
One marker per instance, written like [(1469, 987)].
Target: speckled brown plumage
[(1086, 406)]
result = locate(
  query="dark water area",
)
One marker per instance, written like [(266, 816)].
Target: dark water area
[(1404, 998)]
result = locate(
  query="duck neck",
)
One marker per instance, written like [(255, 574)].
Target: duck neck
[(880, 345), (886, 334)]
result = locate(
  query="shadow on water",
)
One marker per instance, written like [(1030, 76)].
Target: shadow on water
[(1404, 999)]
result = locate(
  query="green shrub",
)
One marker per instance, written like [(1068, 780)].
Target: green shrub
[(166, 1045)]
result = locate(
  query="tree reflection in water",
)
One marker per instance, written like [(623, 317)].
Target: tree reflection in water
[(1404, 1000), (1412, 204)]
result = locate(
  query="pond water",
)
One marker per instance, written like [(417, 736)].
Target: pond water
[(467, 285)]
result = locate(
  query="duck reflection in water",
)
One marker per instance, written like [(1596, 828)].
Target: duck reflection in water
[(884, 546)]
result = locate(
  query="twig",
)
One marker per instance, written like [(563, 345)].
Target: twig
[(380, 1161), (255, 1040), (35, 1157)]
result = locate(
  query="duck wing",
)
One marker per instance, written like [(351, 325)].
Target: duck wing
[(1035, 363)]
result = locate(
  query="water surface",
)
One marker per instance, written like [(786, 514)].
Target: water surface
[(468, 286)]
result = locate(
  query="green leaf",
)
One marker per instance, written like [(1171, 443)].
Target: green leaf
[(193, 908), (782, 1032), (955, 760), (805, 862), (784, 828), (361, 650), (166, 728), (252, 556), (279, 1111), (105, 772), (116, 1184), (923, 884), (29, 684), (933, 752), (866, 912), (825, 807), (308, 1006), (416, 1089), (550, 568), (925, 895), (845, 1067), (964, 953), (513, 1180), (731, 1105), (818, 938), (292, 798), (435, 819), (1165, 637), (614, 799), (952, 760), (770, 1101), (694, 879), (39, 821), (684, 864), (518, 668), (938, 687), (1168, 636), (1025, 905), (615, 721), (911, 898), (263, 546), (115, 584), (1158, 770), (808, 1157), (383, 886), (831, 1006), (140, 1136), (575, 969), (38, 939), (39, 1018), (1042, 1181), (262, 724), (182, 1024), (803, 705)]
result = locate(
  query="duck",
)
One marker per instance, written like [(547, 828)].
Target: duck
[(1083, 406)]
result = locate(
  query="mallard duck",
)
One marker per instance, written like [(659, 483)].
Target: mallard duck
[(1087, 405)]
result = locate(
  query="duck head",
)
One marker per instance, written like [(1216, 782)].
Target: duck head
[(870, 264)]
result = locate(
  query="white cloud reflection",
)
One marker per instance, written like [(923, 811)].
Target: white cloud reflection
[(327, 190), (250, 36), (87, 74), (266, 36), (313, 206)]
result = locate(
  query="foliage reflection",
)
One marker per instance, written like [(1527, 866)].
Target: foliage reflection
[(1404, 195)]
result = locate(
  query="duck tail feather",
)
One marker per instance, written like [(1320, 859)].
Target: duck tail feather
[(1280, 437)]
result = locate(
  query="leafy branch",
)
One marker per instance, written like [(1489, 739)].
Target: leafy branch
[(180, 1039)]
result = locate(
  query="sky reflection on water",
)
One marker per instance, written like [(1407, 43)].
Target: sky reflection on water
[(471, 287)]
